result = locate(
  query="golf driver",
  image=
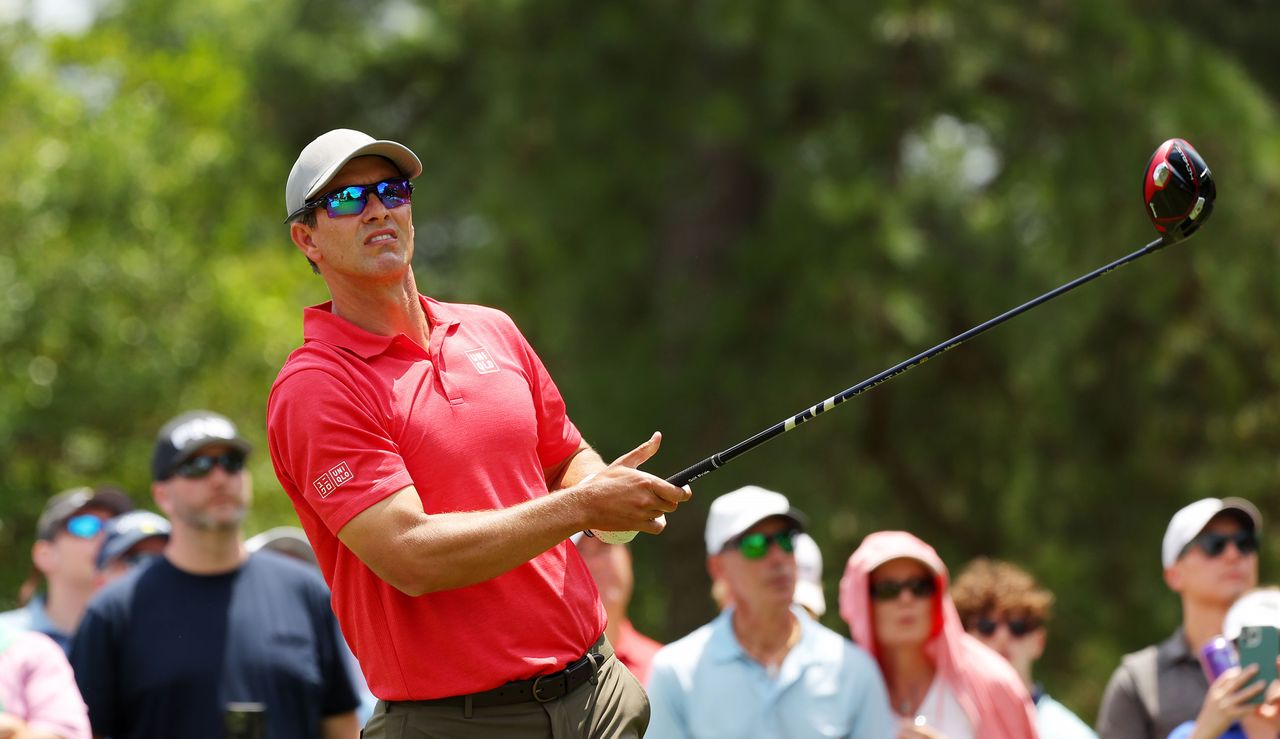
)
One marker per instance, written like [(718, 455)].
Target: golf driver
[(1178, 190)]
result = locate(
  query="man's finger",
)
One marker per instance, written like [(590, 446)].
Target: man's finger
[(642, 453)]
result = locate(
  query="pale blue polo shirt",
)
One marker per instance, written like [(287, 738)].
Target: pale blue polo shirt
[(705, 685), (32, 617)]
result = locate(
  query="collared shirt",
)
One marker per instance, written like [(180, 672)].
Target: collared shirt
[(33, 617), (1056, 721), (635, 650), (471, 421), (705, 685), (1153, 691)]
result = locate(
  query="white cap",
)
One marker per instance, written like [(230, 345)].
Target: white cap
[(809, 575), (1255, 608), (735, 512), (1187, 523), (328, 153), (288, 540)]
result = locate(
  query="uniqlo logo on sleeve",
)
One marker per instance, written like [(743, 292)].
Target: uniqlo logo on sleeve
[(333, 479), (483, 363), (340, 474)]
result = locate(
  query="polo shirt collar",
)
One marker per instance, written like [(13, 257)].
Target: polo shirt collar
[(1175, 649), (320, 324), (723, 646)]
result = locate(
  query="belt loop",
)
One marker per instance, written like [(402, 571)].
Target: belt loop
[(467, 707), (595, 668)]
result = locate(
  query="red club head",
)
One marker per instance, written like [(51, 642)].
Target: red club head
[(1178, 189)]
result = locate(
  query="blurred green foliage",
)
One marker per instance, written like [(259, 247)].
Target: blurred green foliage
[(706, 216)]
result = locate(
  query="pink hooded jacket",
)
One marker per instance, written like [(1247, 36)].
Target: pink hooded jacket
[(987, 687)]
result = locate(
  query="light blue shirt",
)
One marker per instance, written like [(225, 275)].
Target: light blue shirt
[(705, 685), (1056, 721), (32, 617)]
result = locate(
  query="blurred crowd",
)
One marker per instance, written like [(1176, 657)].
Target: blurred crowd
[(134, 623)]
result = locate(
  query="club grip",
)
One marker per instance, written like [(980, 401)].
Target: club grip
[(688, 475)]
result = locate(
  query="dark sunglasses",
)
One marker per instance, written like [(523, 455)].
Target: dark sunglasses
[(197, 467), (84, 526), (1213, 544), (755, 546), (920, 587), (352, 199), (1018, 627)]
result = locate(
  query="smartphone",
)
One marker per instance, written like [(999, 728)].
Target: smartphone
[(1259, 645)]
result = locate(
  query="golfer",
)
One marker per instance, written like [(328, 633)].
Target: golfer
[(432, 464)]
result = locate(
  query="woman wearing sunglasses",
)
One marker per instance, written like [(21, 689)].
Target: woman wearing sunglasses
[(943, 683)]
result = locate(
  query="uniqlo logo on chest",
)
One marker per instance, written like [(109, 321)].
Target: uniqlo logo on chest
[(484, 364), (333, 479)]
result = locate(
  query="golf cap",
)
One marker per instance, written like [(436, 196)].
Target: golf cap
[(1187, 523), (1255, 608), (328, 153), (287, 540), (127, 530), (187, 434), (809, 575), (735, 512), (68, 503)]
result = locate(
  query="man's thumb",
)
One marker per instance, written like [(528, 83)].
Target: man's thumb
[(642, 453)]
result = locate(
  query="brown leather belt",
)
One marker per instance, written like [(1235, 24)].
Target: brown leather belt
[(541, 689)]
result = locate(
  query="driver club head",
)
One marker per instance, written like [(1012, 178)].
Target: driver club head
[(1178, 189)]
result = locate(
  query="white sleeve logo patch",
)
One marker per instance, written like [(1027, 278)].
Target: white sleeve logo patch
[(333, 479), (483, 363)]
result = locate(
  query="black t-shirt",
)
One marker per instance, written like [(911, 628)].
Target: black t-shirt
[(160, 652)]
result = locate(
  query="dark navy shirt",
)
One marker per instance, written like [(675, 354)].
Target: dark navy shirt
[(160, 652)]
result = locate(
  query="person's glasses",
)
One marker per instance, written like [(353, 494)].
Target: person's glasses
[(1214, 544), (197, 467), (352, 199), (920, 587), (755, 546), (1018, 627), (84, 526)]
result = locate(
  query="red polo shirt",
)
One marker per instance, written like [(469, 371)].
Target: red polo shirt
[(471, 423)]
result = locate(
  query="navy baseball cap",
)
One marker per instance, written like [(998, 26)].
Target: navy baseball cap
[(126, 531), (68, 503), (187, 434)]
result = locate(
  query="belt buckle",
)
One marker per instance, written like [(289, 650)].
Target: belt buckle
[(537, 690)]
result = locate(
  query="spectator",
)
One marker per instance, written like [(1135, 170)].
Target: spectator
[(1210, 558), (763, 667), (610, 566), (420, 442), (165, 649), (1227, 712), (1005, 608), (809, 593), (291, 541), (942, 682), (130, 539), (38, 694), (68, 534)]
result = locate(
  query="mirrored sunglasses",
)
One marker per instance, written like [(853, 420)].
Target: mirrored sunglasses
[(197, 467), (84, 526), (1214, 544), (1018, 627), (755, 546), (920, 587), (352, 199)]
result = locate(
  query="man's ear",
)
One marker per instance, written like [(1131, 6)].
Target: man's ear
[(160, 494), (1173, 577), (44, 556), (1038, 639), (302, 237), (714, 567)]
